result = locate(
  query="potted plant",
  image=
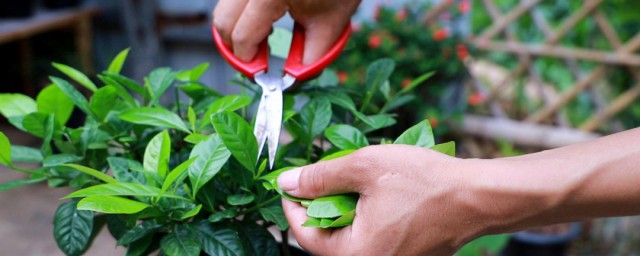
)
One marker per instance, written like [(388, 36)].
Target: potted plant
[(182, 179)]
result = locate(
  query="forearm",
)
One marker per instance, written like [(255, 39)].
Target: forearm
[(595, 179)]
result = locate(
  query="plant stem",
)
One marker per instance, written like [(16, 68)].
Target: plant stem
[(19, 169), (285, 243)]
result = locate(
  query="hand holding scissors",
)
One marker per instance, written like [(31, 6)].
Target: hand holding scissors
[(268, 122)]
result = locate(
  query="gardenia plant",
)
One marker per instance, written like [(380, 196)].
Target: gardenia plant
[(185, 179)]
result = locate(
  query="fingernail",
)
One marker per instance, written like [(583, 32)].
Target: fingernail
[(288, 181)]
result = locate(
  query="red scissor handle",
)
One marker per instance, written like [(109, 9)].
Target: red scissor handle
[(294, 67), (259, 63)]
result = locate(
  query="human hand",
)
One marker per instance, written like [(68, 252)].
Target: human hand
[(412, 201), (243, 24)]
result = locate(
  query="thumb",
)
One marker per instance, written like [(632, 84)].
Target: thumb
[(337, 176)]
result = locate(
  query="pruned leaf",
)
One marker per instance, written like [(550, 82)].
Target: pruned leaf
[(77, 76), (337, 155), (159, 117), (117, 63), (211, 156), (111, 205), (346, 137), (238, 137), (275, 214), (52, 100), (72, 228), (332, 206), (448, 148), (419, 135)]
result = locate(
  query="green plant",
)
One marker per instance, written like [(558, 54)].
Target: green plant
[(185, 178)]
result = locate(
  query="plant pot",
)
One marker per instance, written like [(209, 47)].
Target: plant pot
[(527, 243), (60, 4), (16, 8)]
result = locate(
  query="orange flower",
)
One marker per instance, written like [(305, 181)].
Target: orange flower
[(462, 52), (464, 6), (476, 99), (375, 41), (406, 82), (440, 34), (401, 15), (343, 76)]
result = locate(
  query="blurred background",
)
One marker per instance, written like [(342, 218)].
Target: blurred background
[(511, 77)]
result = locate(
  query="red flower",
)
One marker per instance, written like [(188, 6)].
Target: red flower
[(440, 34), (375, 41), (406, 82), (476, 99), (434, 122), (464, 6), (401, 15), (462, 52), (343, 76), (355, 27)]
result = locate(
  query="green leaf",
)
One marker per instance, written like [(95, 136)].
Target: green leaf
[(36, 123), (121, 189), (238, 137), (142, 247), (332, 206), (159, 117), (377, 74), (312, 223), (95, 173), (211, 156), (257, 241), (14, 104), (272, 177), (72, 228), (376, 122), (280, 42), (219, 240), (177, 174), (19, 183), (22, 154), (487, 244), (193, 74), (159, 81), (240, 199), (275, 214), (343, 100), (416, 82), (77, 76), (226, 214), (418, 135), (346, 137), (448, 148), (52, 100), (117, 63), (315, 116), (74, 95), (181, 242), (60, 159), (121, 166), (139, 231), (156, 155), (344, 220), (228, 103), (5, 150), (191, 116), (111, 205), (385, 89), (196, 138), (125, 82), (192, 212), (103, 101), (337, 155)]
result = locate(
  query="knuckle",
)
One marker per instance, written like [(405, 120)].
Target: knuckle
[(239, 37)]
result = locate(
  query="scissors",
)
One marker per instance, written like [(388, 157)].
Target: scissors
[(268, 123)]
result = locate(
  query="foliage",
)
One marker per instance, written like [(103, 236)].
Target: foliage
[(184, 179), (420, 51)]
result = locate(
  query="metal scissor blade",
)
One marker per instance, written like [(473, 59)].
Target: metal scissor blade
[(260, 127), (274, 123)]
